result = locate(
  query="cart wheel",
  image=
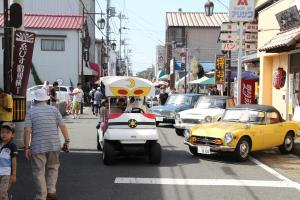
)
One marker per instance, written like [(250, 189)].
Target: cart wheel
[(179, 132), (155, 153), (108, 153), (99, 148), (157, 123)]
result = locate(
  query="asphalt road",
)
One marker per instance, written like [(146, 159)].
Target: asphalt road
[(180, 176)]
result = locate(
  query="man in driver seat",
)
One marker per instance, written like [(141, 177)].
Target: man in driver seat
[(135, 103)]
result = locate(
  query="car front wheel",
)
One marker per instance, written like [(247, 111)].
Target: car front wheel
[(242, 149), (179, 132), (193, 150), (288, 144)]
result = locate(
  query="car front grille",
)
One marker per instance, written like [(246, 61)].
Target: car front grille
[(206, 140), (165, 113), (190, 121)]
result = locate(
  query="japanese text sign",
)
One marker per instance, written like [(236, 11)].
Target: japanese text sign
[(229, 46), (241, 10), (248, 92), (220, 69), (19, 74)]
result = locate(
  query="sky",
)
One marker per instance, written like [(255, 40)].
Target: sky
[(146, 24)]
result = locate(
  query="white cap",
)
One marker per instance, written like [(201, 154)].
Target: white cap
[(40, 95)]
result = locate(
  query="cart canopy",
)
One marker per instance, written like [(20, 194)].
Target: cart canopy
[(119, 86)]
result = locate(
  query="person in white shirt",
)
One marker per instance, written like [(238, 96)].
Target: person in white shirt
[(78, 96)]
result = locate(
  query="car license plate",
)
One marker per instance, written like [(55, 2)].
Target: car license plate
[(204, 149), (159, 119)]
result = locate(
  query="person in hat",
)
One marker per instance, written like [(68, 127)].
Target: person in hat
[(6, 107), (8, 159), (41, 131)]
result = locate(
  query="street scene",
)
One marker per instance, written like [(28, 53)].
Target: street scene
[(118, 99)]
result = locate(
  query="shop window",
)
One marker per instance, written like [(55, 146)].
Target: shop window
[(52, 45)]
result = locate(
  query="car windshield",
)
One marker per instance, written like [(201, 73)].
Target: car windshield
[(244, 116), (179, 99), (211, 103)]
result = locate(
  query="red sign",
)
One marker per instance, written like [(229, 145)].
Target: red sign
[(248, 92), (19, 74)]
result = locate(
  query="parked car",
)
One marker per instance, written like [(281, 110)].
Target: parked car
[(244, 129), (207, 109), (62, 91), (174, 104)]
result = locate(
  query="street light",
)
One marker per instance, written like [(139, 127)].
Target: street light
[(101, 23), (209, 8)]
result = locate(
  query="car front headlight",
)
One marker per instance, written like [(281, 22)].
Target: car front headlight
[(208, 119), (228, 138), (187, 134), (172, 114), (177, 117)]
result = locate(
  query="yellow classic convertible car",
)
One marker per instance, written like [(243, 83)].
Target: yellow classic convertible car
[(243, 129)]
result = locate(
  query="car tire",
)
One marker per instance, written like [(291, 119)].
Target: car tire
[(155, 153), (157, 123), (194, 151), (179, 132), (242, 149), (108, 154), (99, 148), (288, 144)]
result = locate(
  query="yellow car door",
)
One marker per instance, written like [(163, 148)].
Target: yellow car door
[(273, 133)]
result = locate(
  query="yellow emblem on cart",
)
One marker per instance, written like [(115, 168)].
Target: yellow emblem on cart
[(132, 123)]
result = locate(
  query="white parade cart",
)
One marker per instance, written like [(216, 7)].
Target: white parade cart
[(128, 133)]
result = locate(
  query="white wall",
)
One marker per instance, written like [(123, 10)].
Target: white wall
[(53, 65)]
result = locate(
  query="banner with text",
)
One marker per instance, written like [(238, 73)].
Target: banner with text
[(241, 10), (22, 57), (220, 69), (248, 92)]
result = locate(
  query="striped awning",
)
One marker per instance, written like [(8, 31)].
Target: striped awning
[(284, 40)]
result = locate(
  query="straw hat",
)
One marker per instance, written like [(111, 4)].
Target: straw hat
[(40, 95)]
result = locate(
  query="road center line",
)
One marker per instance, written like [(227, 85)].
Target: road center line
[(206, 182)]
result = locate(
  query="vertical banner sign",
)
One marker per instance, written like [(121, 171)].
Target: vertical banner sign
[(220, 69), (248, 92), (241, 10), (23, 49)]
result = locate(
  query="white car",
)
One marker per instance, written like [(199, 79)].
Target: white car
[(207, 109), (62, 91)]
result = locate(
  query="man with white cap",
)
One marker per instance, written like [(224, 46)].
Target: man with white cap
[(41, 132)]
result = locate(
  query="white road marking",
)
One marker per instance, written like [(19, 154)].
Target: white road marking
[(206, 182), (86, 152)]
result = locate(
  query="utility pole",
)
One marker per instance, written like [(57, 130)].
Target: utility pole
[(108, 34)]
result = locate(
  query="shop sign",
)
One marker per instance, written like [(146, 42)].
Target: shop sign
[(22, 57), (220, 69), (229, 46), (288, 18), (251, 27), (241, 10), (248, 92), (250, 46), (229, 27), (250, 37), (228, 36)]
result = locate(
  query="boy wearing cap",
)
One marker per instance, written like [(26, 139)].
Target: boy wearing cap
[(8, 159)]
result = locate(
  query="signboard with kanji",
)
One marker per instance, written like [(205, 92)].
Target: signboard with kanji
[(241, 10), (250, 37), (228, 27), (250, 46), (251, 27), (228, 36), (229, 46), (220, 69), (19, 73)]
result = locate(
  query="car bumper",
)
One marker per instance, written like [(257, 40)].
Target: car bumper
[(212, 147), (184, 126)]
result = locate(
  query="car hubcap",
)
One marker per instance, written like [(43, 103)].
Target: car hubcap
[(244, 149), (288, 143)]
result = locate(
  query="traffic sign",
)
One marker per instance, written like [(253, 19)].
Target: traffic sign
[(228, 27), (229, 36), (229, 46)]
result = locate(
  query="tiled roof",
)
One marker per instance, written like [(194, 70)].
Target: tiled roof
[(195, 19), (282, 39), (37, 21)]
